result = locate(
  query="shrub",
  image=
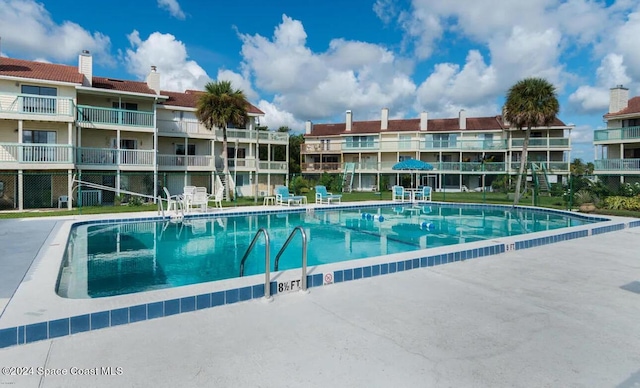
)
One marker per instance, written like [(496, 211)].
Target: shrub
[(629, 190), (135, 201), (297, 184), (583, 196), (622, 203)]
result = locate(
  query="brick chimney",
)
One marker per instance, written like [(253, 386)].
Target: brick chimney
[(85, 67), (348, 122), (462, 118), (384, 119), (618, 98), (308, 126), (424, 121), (153, 80)]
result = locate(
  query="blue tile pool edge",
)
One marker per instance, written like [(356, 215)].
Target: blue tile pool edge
[(61, 327)]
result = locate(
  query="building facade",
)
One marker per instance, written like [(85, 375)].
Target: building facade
[(61, 123), (467, 153), (617, 148)]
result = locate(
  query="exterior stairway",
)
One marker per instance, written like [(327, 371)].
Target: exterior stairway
[(347, 181)]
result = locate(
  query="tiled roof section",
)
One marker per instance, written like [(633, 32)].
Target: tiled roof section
[(632, 107), (121, 85), (434, 125), (39, 70), (189, 99)]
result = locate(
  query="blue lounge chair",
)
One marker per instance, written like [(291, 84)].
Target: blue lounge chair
[(399, 194), (322, 196), (283, 197), (424, 194)]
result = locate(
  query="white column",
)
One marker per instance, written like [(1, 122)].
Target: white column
[(20, 150), (20, 190), (69, 188), (155, 157), (118, 157)]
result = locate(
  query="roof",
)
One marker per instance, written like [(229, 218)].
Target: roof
[(39, 70), (121, 85), (473, 123), (632, 107), (410, 125), (189, 99)]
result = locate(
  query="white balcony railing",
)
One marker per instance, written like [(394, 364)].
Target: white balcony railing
[(112, 157), (617, 165), (113, 116), (36, 105), (36, 153), (182, 126), (185, 160)]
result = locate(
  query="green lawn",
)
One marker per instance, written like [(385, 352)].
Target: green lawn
[(495, 198)]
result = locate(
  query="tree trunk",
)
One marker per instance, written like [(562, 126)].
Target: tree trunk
[(225, 161), (523, 165)]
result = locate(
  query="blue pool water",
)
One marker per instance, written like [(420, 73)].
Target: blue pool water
[(113, 259)]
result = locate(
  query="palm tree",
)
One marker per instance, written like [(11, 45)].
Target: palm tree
[(531, 102), (219, 106)]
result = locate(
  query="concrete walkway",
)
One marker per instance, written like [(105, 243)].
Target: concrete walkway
[(556, 316)]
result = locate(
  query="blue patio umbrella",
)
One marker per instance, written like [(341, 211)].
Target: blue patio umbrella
[(412, 165)]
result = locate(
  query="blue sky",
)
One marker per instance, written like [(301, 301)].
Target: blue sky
[(311, 60)]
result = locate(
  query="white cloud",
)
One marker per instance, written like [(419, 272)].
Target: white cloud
[(275, 118), (173, 7), (177, 72), (595, 99), (385, 10), (353, 75), (28, 31), (238, 81), (582, 134)]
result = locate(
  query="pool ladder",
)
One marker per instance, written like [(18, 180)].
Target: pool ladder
[(267, 257)]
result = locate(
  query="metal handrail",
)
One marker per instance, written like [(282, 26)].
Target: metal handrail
[(304, 254), (267, 259)]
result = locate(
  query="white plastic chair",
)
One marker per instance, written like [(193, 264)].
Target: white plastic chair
[(217, 199), (172, 200), (63, 199), (200, 199)]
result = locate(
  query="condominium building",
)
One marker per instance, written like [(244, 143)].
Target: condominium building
[(467, 153), (60, 124), (617, 148)]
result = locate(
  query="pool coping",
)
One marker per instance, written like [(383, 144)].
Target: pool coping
[(79, 315)]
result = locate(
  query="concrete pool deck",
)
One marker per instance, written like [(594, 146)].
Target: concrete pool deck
[(558, 315)]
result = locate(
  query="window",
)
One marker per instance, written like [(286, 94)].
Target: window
[(360, 142), (128, 117), (405, 142), (402, 158), (442, 140), (43, 105), (38, 153), (191, 149), (39, 137), (536, 134), (630, 123)]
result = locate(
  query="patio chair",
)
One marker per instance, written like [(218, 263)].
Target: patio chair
[(425, 194), (322, 196), (399, 194), (283, 197), (173, 201), (63, 199), (217, 198), (200, 199), (187, 196)]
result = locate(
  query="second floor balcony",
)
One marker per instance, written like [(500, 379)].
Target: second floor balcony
[(31, 154), (182, 161), (438, 167), (617, 165), (542, 142), (111, 157), (99, 117), (616, 135), (27, 106)]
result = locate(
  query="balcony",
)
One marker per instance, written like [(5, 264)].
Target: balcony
[(551, 167), (113, 157), (273, 166), (191, 127), (245, 134), (465, 145), (181, 161), (321, 166), (617, 165), (316, 148), (616, 134), (92, 116), (36, 107), (36, 153), (554, 142), (360, 145)]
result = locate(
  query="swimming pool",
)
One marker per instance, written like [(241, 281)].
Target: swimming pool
[(121, 258)]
